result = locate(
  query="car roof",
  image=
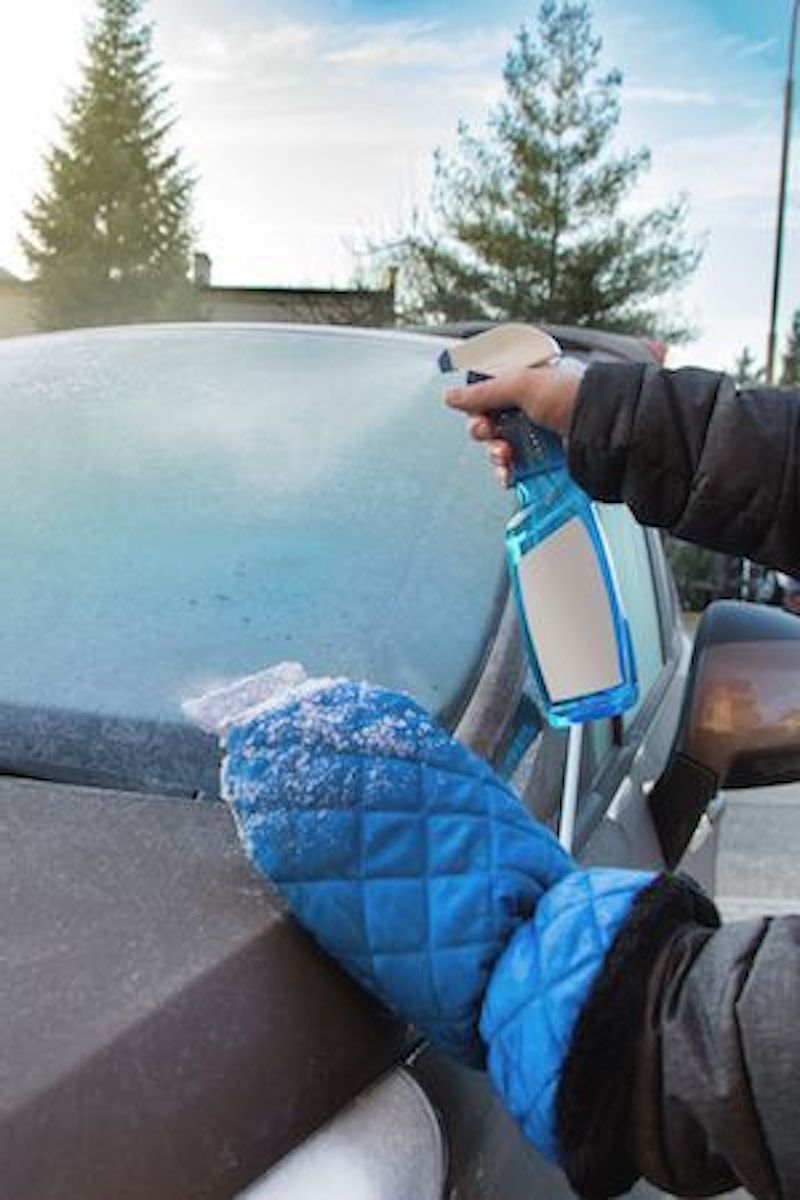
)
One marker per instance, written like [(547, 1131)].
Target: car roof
[(574, 339)]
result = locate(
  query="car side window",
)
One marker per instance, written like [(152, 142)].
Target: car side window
[(627, 544)]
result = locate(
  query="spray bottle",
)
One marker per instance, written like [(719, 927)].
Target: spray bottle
[(568, 602)]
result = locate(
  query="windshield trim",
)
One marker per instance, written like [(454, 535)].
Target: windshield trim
[(212, 328), (123, 753)]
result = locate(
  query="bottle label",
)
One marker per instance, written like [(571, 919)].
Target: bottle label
[(569, 618)]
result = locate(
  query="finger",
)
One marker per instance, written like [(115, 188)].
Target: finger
[(482, 429), (491, 394), (502, 460), (500, 454)]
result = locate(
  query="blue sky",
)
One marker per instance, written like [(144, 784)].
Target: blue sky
[(311, 126)]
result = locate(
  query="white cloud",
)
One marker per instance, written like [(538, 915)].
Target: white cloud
[(756, 49), (735, 170), (420, 44), (337, 52), (740, 47), (680, 97), (309, 136), (399, 43)]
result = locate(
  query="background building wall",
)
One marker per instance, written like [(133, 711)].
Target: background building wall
[(307, 306), (16, 308)]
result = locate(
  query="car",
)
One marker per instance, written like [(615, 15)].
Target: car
[(182, 505)]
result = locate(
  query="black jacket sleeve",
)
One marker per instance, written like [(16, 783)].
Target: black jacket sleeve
[(689, 453), (705, 1018)]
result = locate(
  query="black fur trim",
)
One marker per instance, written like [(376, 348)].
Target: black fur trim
[(593, 1101)]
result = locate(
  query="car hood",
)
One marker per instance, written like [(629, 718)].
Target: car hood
[(167, 1030)]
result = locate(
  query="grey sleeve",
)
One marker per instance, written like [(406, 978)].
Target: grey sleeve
[(715, 1095), (684, 1065), (688, 452)]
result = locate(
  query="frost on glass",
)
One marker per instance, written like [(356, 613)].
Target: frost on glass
[(182, 506)]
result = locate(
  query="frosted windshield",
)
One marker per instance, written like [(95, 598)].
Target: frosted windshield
[(181, 506)]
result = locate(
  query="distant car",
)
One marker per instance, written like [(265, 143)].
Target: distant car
[(788, 589), (182, 505)]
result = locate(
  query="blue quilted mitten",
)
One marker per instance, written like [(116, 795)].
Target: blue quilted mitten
[(404, 854), (421, 872)]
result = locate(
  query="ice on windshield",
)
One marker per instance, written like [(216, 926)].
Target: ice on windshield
[(182, 506)]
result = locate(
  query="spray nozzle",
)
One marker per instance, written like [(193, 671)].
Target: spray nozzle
[(504, 348)]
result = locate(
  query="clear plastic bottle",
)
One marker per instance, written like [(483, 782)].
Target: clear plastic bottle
[(568, 601), (569, 606)]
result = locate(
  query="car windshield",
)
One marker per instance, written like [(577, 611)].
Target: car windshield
[(184, 505)]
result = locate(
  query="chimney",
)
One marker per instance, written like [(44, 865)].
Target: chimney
[(202, 270)]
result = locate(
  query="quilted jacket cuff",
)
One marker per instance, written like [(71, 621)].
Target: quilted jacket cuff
[(592, 1105)]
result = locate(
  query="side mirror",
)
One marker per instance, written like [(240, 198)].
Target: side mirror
[(740, 718)]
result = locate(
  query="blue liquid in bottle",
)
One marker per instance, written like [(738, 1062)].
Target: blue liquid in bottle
[(568, 602)]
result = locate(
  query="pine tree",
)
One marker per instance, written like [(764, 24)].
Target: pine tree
[(109, 236), (527, 220), (790, 373)]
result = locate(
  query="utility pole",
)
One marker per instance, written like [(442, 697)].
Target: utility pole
[(788, 102)]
